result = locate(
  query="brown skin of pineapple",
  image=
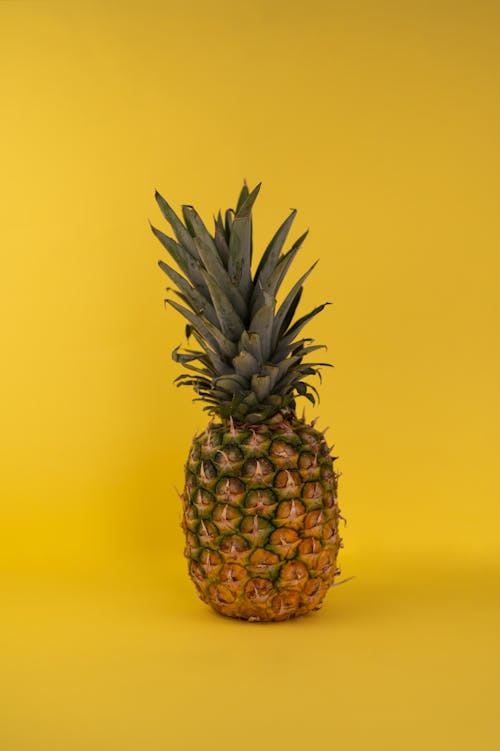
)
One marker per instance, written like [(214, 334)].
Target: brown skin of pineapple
[(261, 518)]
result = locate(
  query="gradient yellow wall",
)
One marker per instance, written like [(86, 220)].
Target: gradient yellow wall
[(379, 121)]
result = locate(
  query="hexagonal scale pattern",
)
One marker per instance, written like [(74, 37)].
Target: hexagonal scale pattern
[(261, 519)]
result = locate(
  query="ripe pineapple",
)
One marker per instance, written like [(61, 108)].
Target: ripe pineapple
[(260, 509)]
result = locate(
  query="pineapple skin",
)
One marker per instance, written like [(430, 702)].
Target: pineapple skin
[(261, 518)]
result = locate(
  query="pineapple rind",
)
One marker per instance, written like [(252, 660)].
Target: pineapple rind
[(261, 519)]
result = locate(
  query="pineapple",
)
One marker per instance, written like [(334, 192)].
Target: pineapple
[(260, 511)]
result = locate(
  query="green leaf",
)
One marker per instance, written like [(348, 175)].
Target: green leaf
[(314, 389), (250, 399), (242, 197), (184, 260), (201, 371), (245, 209), (220, 240), (271, 254), (187, 378), (296, 375), (262, 324), (250, 342), (197, 227), (300, 323), (189, 366), (285, 349), (287, 317), (195, 299), (207, 331), (273, 283), (297, 327), (240, 244), (229, 224), (233, 384), (246, 364), (284, 366), (316, 365), (303, 351), (220, 396), (288, 307), (213, 265), (311, 398), (229, 321), (287, 380), (273, 371), (217, 363), (295, 346), (180, 231), (261, 386)]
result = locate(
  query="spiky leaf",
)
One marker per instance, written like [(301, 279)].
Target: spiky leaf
[(214, 266), (270, 257), (262, 324), (250, 361), (240, 243), (207, 331), (180, 231), (195, 299), (288, 307), (183, 259), (229, 321)]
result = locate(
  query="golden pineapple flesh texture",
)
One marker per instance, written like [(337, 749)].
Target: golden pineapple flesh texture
[(261, 519)]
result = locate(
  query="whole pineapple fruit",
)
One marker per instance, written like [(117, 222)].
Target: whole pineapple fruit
[(260, 508)]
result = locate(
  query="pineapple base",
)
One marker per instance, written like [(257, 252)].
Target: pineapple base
[(261, 519), (283, 605)]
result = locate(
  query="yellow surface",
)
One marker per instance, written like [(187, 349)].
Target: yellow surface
[(379, 121)]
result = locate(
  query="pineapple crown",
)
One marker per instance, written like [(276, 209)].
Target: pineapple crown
[(250, 362)]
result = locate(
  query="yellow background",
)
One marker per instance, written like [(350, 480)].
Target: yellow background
[(379, 121)]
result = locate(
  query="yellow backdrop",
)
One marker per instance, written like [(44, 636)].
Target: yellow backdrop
[(379, 121)]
